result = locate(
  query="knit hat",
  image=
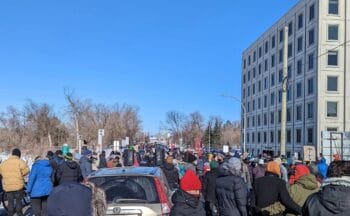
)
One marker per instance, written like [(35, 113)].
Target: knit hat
[(233, 165), (16, 152), (273, 167), (213, 165), (190, 182)]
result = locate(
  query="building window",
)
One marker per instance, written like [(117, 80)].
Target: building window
[(248, 75), (310, 110), (266, 83), (289, 115), (311, 12), (331, 129), (249, 60), (279, 116), (332, 58), (332, 83), (300, 44), (266, 47), (253, 121), (259, 69), (272, 98), (253, 104), (280, 76), (272, 118), (311, 61), (311, 37), (289, 71), (280, 56), (279, 136), (254, 56), (265, 101), (290, 50), (289, 93), (332, 109), (272, 79), (333, 7), (290, 28), (265, 137), (279, 96), (310, 135), (253, 137), (299, 89), (254, 72), (248, 91), (259, 86), (273, 61), (298, 135), (244, 63), (248, 106), (260, 52), (273, 41), (248, 137), (299, 67), (266, 65), (310, 86), (259, 120), (333, 31), (300, 21), (299, 113), (289, 136), (265, 119), (271, 136), (243, 78), (259, 137), (259, 103), (253, 88), (281, 35)]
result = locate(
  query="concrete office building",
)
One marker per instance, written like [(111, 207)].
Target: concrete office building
[(318, 94)]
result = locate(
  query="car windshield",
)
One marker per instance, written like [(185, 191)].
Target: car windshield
[(128, 189)]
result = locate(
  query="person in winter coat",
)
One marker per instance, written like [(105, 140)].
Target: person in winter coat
[(13, 171), (270, 193), (259, 170), (231, 190), (102, 160), (187, 199), (171, 173), (304, 185), (86, 164), (322, 168), (58, 157), (98, 201), (245, 174), (69, 171), (334, 196), (209, 185), (39, 186), (70, 199)]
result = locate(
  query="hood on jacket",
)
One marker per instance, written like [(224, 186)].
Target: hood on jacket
[(309, 182), (336, 198), (72, 164), (181, 196), (42, 163)]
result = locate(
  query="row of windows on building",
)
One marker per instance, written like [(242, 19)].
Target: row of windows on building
[(263, 119), (262, 137)]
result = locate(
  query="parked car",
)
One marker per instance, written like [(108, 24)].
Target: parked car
[(134, 190)]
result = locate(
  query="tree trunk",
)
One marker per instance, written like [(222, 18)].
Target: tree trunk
[(50, 140)]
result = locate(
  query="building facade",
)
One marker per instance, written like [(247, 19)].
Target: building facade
[(318, 98)]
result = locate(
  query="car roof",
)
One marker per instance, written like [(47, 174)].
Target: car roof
[(154, 171)]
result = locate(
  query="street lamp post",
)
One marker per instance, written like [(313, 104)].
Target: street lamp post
[(244, 118)]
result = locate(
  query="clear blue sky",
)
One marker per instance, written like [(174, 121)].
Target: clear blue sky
[(159, 55)]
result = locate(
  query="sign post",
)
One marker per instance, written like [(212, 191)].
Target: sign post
[(309, 153), (101, 133)]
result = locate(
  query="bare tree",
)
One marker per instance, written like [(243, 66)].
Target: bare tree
[(194, 128), (175, 122)]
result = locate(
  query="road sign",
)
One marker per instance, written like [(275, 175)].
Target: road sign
[(309, 153), (225, 149)]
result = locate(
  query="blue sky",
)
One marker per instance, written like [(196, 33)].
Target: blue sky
[(158, 55)]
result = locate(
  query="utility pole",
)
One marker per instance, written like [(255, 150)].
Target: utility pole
[(284, 93), (209, 135)]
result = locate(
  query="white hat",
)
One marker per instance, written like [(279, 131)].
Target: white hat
[(261, 161)]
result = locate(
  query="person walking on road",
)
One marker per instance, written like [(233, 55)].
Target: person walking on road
[(334, 196), (209, 185), (270, 193), (102, 160), (259, 170), (187, 200), (58, 157), (13, 171), (39, 186), (322, 168), (86, 163), (171, 173), (231, 190), (69, 171)]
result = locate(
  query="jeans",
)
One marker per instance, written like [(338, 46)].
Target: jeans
[(15, 198), (39, 206)]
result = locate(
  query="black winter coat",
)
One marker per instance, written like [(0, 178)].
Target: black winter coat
[(171, 174), (209, 185), (69, 171), (70, 199), (270, 189), (231, 194), (331, 200), (102, 162), (186, 205)]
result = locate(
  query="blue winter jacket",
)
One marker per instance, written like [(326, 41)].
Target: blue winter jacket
[(322, 168), (85, 166), (70, 199), (40, 179)]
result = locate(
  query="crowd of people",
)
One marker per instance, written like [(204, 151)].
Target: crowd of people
[(211, 185)]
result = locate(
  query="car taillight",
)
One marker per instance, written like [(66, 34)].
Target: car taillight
[(165, 204)]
